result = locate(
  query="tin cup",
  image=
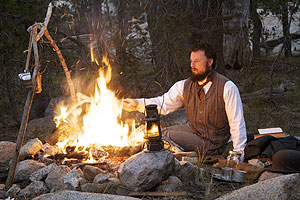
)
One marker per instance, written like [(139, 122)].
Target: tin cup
[(227, 173), (25, 76), (238, 176)]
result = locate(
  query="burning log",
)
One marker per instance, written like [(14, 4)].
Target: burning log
[(122, 151), (71, 162), (44, 159), (100, 164), (75, 155)]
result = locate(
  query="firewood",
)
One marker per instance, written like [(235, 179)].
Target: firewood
[(78, 155), (180, 155), (44, 159)]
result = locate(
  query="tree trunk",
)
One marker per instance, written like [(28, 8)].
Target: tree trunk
[(207, 22), (286, 30), (122, 18), (257, 27), (168, 34), (237, 52)]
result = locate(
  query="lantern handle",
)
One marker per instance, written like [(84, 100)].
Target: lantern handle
[(162, 103)]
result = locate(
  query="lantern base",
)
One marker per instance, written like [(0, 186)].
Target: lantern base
[(153, 146)]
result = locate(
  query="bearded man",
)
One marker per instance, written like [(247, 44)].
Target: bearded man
[(212, 103)]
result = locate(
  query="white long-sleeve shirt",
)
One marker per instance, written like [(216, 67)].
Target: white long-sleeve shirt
[(173, 99)]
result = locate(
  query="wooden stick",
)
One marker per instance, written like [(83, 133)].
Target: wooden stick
[(29, 52), (64, 65), (22, 130), (46, 22), (158, 194)]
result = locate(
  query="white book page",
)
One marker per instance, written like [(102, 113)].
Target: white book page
[(269, 130)]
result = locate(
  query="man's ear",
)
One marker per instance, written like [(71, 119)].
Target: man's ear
[(210, 61)]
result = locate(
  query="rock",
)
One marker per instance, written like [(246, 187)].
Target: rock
[(98, 188), (173, 184), (42, 173), (56, 177), (73, 177), (49, 149), (6, 151), (100, 178), (40, 128), (281, 187), (74, 195), (90, 172), (114, 181), (31, 148), (185, 171), (39, 105), (144, 171), (82, 181), (35, 188), (25, 168), (13, 191), (267, 175), (63, 187), (63, 131), (53, 108)]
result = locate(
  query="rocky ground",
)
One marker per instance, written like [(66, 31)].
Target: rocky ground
[(259, 110)]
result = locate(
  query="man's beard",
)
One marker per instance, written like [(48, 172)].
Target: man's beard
[(201, 77)]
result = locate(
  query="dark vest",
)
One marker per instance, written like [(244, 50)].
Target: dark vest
[(208, 116)]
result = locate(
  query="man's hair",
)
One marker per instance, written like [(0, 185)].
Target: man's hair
[(208, 50)]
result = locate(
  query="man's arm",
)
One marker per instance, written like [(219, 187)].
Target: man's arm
[(235, 115), (167, 103)]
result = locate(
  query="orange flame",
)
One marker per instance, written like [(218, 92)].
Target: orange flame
[(101, 123), (93, 58), (154, 131)]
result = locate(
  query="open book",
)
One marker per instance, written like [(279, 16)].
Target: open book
[(276, 132)]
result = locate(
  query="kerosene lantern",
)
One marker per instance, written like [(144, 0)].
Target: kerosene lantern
[(152, 137)]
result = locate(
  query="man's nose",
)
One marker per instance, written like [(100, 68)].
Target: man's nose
[(192, 63)]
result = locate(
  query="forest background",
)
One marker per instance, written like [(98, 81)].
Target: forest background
[(147, 43)]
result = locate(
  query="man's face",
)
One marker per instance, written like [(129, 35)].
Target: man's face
[(200, 65)]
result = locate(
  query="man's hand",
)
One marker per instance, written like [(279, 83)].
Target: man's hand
[(130, 104)]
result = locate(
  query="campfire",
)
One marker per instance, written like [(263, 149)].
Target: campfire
[(101, 131)]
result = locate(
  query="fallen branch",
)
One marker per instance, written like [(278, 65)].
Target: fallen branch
[(273, 43), (180, 155), (286, 86)]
